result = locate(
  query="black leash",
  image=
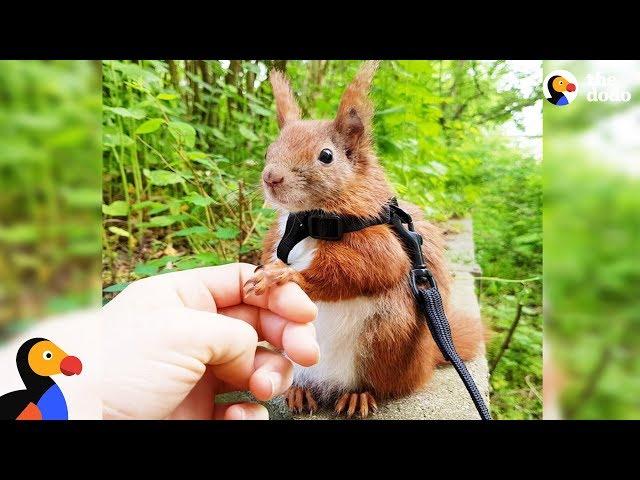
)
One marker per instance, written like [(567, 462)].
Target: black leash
[(329, 226)]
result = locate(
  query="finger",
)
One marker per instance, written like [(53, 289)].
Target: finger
[(240, 411), (297, 340), (271, 327), (287, 300), (300, 344), (227, 344), (198, 404), (272, 376), (212, 288), (302, 347), (246, 313), (223, 282)]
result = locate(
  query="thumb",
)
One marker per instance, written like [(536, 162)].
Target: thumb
[(153, 358)]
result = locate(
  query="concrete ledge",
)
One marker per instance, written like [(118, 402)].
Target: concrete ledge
[(444, 397)]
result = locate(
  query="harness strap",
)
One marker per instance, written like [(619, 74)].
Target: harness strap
[(324, 226), (329, 226)]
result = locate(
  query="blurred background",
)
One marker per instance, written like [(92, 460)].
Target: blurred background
[(184, 142), (592, 247), (49, 190)]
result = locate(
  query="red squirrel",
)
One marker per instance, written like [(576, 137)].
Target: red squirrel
[(373, 343)]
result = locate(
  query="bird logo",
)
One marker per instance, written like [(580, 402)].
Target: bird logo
[(38, 359), (560, 88)]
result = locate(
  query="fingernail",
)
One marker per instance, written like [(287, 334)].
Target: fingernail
[(243, 415), (275, 380)]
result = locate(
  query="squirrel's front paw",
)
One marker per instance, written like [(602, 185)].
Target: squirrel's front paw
[(265, 276)]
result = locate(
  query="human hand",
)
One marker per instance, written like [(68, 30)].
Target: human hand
[(173, 341)]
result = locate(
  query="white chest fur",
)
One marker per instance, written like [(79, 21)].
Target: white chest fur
[(339, 326)]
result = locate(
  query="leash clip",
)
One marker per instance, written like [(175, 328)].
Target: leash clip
[(419, 276)]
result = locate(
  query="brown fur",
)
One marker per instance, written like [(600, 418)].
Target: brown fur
[(398, 354)]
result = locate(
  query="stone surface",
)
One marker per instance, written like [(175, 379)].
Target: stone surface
[(444, 397)]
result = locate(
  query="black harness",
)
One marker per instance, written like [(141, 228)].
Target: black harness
[(329, 226)]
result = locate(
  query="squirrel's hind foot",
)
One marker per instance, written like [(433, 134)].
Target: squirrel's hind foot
[(363, 403), (300, 399)]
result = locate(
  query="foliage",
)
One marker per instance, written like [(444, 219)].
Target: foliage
[(592, 272), (183, 146), (50, 183), (508, 227)]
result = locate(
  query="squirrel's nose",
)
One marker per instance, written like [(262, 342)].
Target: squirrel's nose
[(272, 179)]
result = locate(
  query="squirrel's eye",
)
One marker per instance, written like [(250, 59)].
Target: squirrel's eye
[(326, 156)]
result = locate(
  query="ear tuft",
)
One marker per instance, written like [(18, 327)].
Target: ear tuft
[(286, 105), (355, 113)]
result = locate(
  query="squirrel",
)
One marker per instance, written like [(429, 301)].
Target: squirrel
[(373, 343)]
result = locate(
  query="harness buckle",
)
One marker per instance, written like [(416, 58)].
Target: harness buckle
[(325, 226)]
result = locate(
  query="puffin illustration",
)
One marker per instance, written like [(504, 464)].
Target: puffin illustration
[(557, 86), (37, 360)]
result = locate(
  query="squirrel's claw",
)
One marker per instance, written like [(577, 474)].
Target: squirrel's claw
[(299, 399), (363, 403), (265, 276)]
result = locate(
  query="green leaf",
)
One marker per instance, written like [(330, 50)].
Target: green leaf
[(135, 113), (389, 111), (116, 287), (184, 133), (119, 231), (81, 197), (530, 311), (166, 220), (163, 177), (154, 207), (248, 134), (195, 155), (186, 232), (116, 140), (208, 258), (218, 134), (226, 233), (144, 269), (119, 208), (207, 162), (527, 238), (149, 126), (198, 200), (19, 234), (167, 96), (187, 263), (260, 110)]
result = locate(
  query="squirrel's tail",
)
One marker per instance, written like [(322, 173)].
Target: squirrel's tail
[(468, 332)]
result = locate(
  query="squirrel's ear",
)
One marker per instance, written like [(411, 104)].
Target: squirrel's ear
[(355, 113), (286, 105)]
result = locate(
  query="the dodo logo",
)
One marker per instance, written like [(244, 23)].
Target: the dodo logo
[(560, 87), (38, 359)]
